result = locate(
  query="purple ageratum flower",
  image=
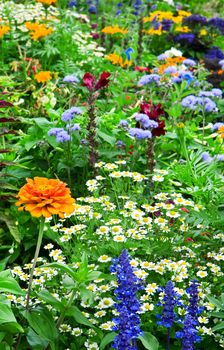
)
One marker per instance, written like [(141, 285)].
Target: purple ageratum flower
[(162, 57), (205, 156), (219, 157), (149, 78), (145, 121), (216, 126), (120, 144), (140, 134), (128, 322), (123, 124), (209, 105), (213, 93), (189, 334), (190, 101), (170, 70), (55, 131), (71, 79), (185, 38), (69, 114), (74, 127), (63, 136), (189, 62), (170, 300), (217, 92), (176, 80)]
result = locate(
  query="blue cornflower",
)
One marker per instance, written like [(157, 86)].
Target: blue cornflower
[(189, 333), (170, 300), (140, 134), (69, 114), (70, 79), (128, 322), (149, 78), (128, 53)]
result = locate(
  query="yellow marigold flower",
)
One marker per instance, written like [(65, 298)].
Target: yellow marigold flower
[(43, 76), (47, 2), (37, 30), (184, 13), (114, 30), (118, 60), (45, 197), (153, 31), (4, 30)]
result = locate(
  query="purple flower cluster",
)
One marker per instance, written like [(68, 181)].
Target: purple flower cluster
[(199, 103), (128, 322), (216, 126), (221, 63), (148, 79), (71, 79), (215, 53), (170, 300), (189, 62), (194, 20), (213, 93), (208, 159), (140, 133), (185, 38), (217, 23), (61, 134)]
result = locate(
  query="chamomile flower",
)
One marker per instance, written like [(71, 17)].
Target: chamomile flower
[(119, 238), (157, 178), (104, 258)]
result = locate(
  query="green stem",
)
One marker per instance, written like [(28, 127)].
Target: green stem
[(39, 241), (69, 303)]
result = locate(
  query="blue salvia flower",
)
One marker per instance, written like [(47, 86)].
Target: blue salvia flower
[(128, 322), (193, 309), (170, 300), (189, 333), (128, 53)]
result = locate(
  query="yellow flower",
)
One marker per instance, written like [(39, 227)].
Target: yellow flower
[(43, 76), (114, 30), (44, 197), (37, 30), (118, 60), (153, 31), (4, 30), (203, 32), (181, 29), (47, 2)]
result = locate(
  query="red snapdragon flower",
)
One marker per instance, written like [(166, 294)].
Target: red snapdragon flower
[(90, 83), (154, 113)]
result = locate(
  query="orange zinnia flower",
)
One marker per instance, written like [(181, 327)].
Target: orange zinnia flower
[(47, 2), (37, 30), (114, 30), (3, 30), (44, 197), (43, 76)]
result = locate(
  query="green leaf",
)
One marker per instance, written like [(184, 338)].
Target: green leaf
[(218, 314), (216, 302), (218, 326), (42, 122), (78, 316), (11, 327), (13, 229), (6, 314), (35, 341), (46, 296), (107, 340), (109, 139), (64, 269), (42, 322), (149, 341), (8, 284)]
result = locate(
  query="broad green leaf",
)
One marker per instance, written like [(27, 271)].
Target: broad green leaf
[(46, 296), (107, 340), (64, 269), (6, 314), (8, 284), (109, 139), (13, 229), (218, 326), (35, 341), (42, 322), (149, 341), (218, 314), (11, 327), (78, 316)]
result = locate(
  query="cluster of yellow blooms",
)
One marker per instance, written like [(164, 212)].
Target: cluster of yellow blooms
[(43, 76), (47, 2), (37, 30), (3, 30), (114, 30), (114, 58)]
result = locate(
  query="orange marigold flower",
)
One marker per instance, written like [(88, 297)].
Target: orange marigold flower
[(43, 76), (114, 30), (37, 30), (114, 58), (45, 197), (47, 2), (4, 30)]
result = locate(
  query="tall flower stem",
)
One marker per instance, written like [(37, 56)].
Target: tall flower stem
[(67, 306), (168, 340), (140, 38), (39, 241), (93, 154)]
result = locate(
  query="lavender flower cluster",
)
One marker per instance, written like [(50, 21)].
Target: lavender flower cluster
[(128, 322), (202, 101), (64, 135)]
